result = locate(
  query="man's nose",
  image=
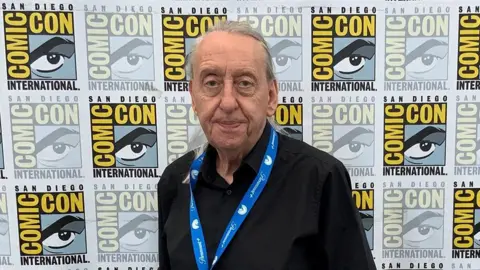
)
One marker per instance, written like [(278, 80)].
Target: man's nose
[(228, 102)]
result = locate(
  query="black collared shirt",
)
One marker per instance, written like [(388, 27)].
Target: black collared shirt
[(304, 219)]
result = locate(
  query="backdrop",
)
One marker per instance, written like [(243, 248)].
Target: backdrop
[(94, 106)]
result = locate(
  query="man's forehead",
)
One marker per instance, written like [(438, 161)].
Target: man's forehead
[(217, 43)]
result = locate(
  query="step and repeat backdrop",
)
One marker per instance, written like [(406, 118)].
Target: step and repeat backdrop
[(95, 104)]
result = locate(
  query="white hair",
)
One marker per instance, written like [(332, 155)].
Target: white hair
[(198, 143)]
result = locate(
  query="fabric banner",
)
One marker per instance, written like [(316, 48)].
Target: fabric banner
[(95, 104)]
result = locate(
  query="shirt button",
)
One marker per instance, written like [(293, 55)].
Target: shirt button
[(229, 192)]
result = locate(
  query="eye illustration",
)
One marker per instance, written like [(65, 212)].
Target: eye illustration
[(422, 228), (293, 132), (56, 146), (423, 144), (3, 225), (476, 233), (50, 56), (353, 58), (134, 145), (425, 57), (130, 57), (367, 221), (352, 145), (62, 233), (135, 235), (284, 53)]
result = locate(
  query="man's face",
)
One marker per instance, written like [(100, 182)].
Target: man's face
[(230, 91)]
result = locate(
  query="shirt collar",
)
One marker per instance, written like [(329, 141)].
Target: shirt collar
[(253, 159)]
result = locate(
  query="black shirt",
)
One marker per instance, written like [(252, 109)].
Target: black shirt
[(304, 219)]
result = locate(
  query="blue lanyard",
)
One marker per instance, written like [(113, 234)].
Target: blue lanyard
[(242, 211)]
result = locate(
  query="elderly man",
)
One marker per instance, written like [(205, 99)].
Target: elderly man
[(250, 197)]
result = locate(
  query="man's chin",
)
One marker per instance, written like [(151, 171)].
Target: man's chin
[(228, 142)]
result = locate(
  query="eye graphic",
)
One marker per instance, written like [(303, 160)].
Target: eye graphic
[(292, 132), (56, 146), (135, 144), (137, 236), (138, 232), (422, 227), (48, 63), (350, 64), (423, 144), (353, 58), (351, 145), (62, 233), (367, 221), (130, 57), (3, 225), (60, 239), (132, 151), (421, 150), (50, 56), (425, 57), (476, 233), (420, 233), (284, 53)]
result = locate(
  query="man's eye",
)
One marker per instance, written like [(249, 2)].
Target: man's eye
[(211, 83), (245, 84)]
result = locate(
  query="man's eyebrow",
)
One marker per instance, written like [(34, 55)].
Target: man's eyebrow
[(209, 71), (206, 71), (245, 72)]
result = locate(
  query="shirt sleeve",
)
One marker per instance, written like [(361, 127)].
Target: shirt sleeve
[(165, 195), (343, 243)]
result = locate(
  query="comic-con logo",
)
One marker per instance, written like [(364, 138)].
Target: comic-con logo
[(40, 48), (289, 116), (127, 223), (466, 220), (343, 49), (182, 127), (467, 136), (345, 128), (282, 29), (5, 251), (414, 136), (468, 62), (413, 220), (2, 156), (416, 48), (363, 196), (179, 33), (124, 137), (45, 137), (51, 225), (120, 49)]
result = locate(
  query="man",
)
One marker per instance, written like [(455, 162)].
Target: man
[(249, 197)]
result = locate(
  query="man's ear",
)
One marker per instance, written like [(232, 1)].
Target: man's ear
[(272, 97), (190, 83)]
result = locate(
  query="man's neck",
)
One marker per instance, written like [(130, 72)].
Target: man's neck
[(228, 161)]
